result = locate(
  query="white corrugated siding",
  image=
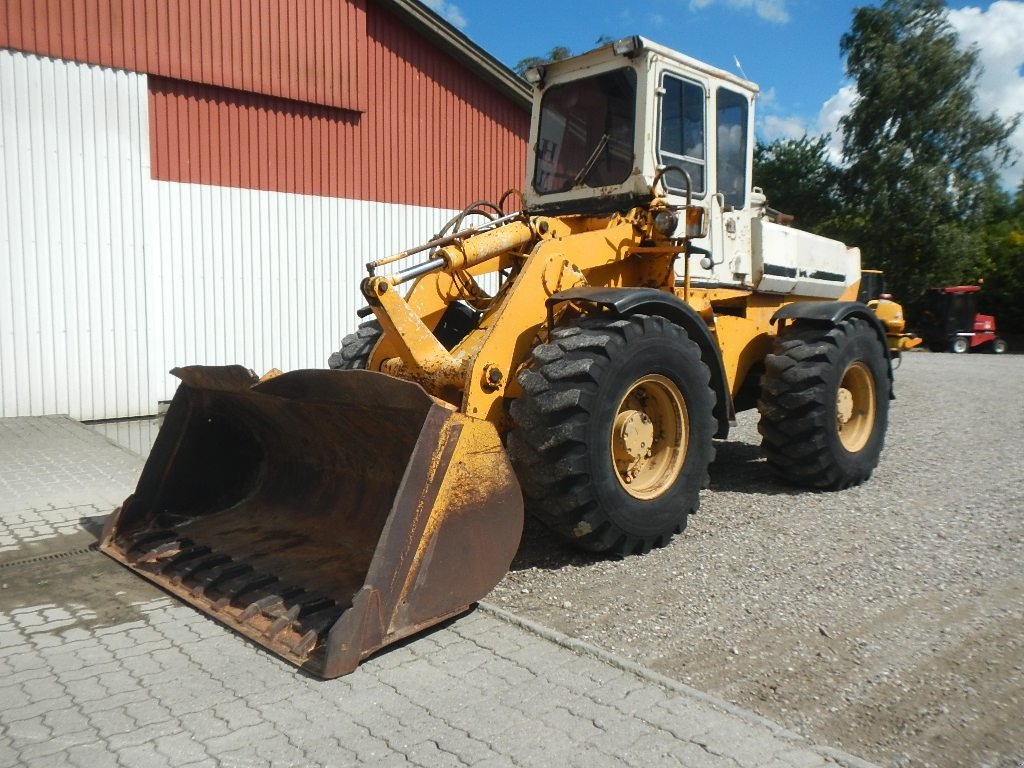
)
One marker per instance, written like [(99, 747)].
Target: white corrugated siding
[(108, 279)]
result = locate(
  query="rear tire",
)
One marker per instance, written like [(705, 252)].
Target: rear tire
[(998, 346), (613, 433), (825, 404)]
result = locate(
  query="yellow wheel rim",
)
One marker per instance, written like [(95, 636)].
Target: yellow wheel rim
[(855, 406), (649, 437)]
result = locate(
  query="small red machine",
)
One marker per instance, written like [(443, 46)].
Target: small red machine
[(950, 321)]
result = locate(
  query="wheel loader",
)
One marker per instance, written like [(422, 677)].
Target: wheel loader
[(872, 293), (575, 358)]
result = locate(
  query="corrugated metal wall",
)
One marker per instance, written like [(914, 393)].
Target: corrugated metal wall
[(109, 278), (73, 288), (148, 222), (306, 50)]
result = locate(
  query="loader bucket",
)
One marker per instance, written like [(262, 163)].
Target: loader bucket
[(322, 514)]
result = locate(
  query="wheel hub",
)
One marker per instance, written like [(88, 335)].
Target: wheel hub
[(855, 406), (649, 435), (844, 406), (634, 435)]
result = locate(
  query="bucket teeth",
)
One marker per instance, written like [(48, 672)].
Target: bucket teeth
[(313, 604), (305, 644), (244, 584), (283, 622), (288, 616), (316, 624), (258, 606), (166, 550), (198, 566), (217, 575), (147, 538), (185, 555)]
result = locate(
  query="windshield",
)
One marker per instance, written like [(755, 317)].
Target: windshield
[(586, 133)]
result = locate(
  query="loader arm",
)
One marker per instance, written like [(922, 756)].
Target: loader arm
[(561, 253)]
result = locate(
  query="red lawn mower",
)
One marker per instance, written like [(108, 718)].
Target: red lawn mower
[(950, 321)]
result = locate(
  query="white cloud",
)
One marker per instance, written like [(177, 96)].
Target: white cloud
[(831, 112), (998, 34), (449, 11), (776, 127), (770, 10)]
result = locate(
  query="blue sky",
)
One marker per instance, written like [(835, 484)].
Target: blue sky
[(789, 47)]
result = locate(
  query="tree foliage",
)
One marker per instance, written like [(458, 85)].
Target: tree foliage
[(798, 178), (920, 173), (557, 53)]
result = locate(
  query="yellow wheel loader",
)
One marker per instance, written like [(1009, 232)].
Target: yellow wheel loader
[(872, 293), (577, 356)]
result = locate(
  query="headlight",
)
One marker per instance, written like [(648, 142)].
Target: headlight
[(666, 222)]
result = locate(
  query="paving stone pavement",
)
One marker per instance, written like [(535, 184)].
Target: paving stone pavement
[(100, 668)]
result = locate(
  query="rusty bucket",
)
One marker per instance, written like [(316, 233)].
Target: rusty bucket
[(322, 514)]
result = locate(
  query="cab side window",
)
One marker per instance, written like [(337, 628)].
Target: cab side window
[(682, 139), (733, 109)]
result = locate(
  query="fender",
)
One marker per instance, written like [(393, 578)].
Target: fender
[(831, 313), (652, 301)]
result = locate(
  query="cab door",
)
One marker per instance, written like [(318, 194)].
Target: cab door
[(682, 139), (733, 182)]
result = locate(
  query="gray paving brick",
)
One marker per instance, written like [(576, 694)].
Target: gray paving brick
[(168, 686), (140, 736), (581, 729), (92, 755), (544, 746), (30, 711), (111, 722), (465, 746), (28, 730), (46, 761), (180, 748), (142, 754), (621, 739), (799, 758), (428, 755), (68, 719), (589, 758)]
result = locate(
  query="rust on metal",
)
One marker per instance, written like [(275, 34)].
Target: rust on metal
[(322, 514)]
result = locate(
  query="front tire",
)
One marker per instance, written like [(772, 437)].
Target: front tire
[(825, 404), (613, 433), (356, 348), (354, 354), (959, 345)]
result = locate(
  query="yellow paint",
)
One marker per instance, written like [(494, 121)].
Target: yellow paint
[(545, 256)]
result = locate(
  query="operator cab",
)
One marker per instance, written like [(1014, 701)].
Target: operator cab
[(607, 122), (632, 121)]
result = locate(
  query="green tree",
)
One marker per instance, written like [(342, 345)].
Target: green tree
[(557, 53), (799, 179), (1002, 267), (921, 160)]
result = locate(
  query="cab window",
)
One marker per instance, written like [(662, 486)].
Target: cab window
[(586, 133), (681, 139), (733, 109)]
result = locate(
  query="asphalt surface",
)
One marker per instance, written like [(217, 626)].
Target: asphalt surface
[(100, 668)]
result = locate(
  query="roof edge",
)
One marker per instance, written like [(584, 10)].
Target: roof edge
[(458, 45)]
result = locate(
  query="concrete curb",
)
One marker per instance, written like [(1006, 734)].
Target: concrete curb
[(626, 665)]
